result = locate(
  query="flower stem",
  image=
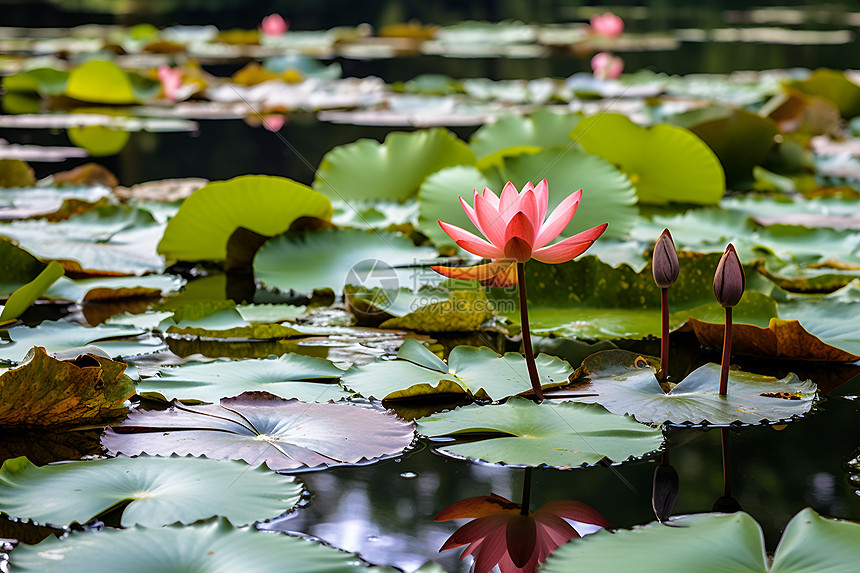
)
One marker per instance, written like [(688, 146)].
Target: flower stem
[(527, 491), (727, 463), (664, 335), (527, 337), (727, 353)]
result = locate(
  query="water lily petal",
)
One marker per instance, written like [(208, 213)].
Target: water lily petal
[(507, 202), (490, 196), (575, 510), (542, 196), (470, 211), (482, 505), (558, 219), (490, 222), (499, 274), (528, 206), (519, 237), (521, 539), (569, 248), (471, 243)]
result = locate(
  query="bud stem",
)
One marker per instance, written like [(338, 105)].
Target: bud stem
[(527, 337), (727, 353), (727, 463), (664, 336), (527, 491)]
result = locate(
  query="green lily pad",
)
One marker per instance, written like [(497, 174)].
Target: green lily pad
[(17, 267), (112, 238), (665, 163), (607, 193), (834, 86), (479, 372), (438, 200), (716, 542), (45, 81), (257, 427), (263, 204), (305, 378), (740, 139), (57, 336), (625, 386), (220, 320), (212, 547), (161, 491), (430, 309), (99, 140), (112, 288), (393, 169), (333, 258), (514, 134), (23, 202), (100, 81), (523, 433), (825, 318), (22, 298)]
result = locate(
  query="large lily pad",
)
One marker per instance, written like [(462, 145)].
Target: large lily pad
[(608, 195), (100, 81), (394, 169), (716, 542), (305, 378), (625, 384), (220, 320), (109, 239), (46, 392), (666, 163), (523, 433), (334, 258), (24, 202), (514, 134), (213, 547), (259, 427), (263, 204), (478, 372), (57, 336), (161, 491), (438, 200)]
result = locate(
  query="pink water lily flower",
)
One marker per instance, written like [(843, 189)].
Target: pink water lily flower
[(171, 81), (606, 66), (274, 25), (517, 228), (607, 24)]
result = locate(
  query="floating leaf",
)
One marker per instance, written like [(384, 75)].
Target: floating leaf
[(225, 323), (45, 81), (263, 204), (16, 173), (665, 163), (333, 258), (513, 134), (22, 298), (834, 86), (258, 427), (477, 371), (624, 384), (57, 336), (161, 491), (716, 542), (289, 376), (523, 433), (607, 194), (394, 169), (21, 203), (444, 311), (99, 140), (781, 339), (100, 81), (46, 392), (438, 200), (17, 267), (113, 288), (205, 548)]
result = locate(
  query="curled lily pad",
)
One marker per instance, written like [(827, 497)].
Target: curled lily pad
[(263, 204), (46, 392), (716, 542), (520, 432), (258, 427), (394, 169), (211, 547), (289, 376), (626, 384), (161, 491), (22, 298), (665, 163), (780, 339), (479, 372)]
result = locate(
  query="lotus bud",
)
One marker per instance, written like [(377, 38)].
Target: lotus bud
[(665, 261), (729, 280)]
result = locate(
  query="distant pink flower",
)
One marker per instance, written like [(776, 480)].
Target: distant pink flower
[(171, 81), (607, 24), (606, 66), (274, 25), (274, 122), (518, 229)]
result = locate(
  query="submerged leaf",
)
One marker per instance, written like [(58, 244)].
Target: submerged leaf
[(258, 427), (46, 392), (161, 491)]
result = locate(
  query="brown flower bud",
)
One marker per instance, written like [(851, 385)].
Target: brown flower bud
[(665, 261), (729, 279)]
